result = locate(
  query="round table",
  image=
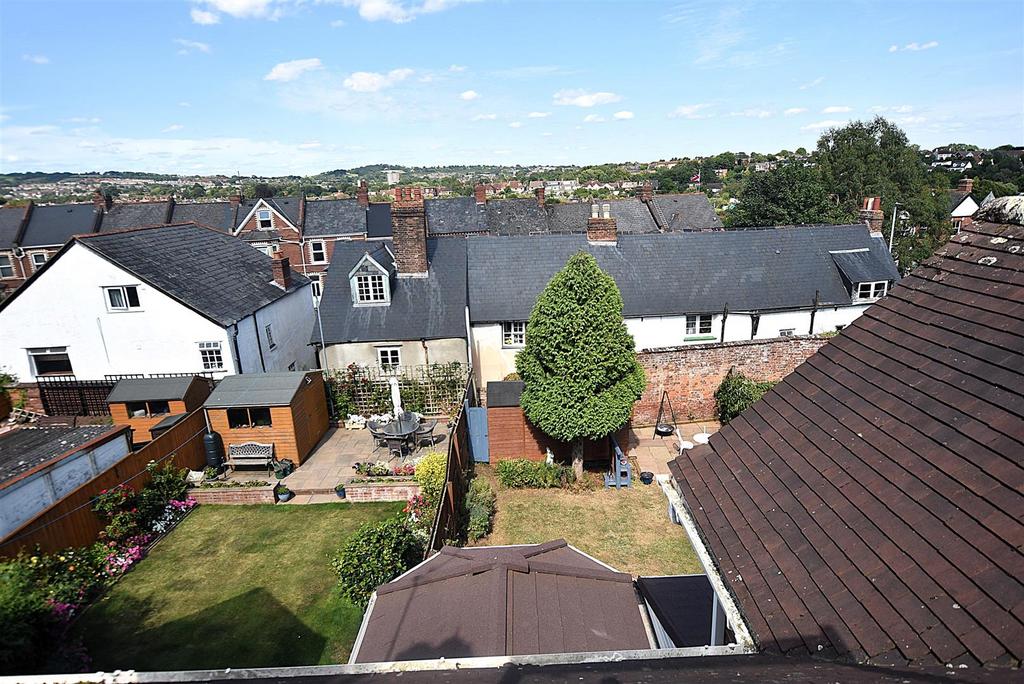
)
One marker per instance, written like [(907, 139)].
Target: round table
[(403, 427)]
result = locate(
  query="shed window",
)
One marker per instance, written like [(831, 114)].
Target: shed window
[(871, 292), (318, 251), (370, 289), (6, 267), (255, 416), (263, 219), (138, 409), (513, 334), (698, 324), (123, 298)]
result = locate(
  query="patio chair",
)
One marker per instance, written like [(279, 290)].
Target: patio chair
[(380, 439), (396, 446), (425, 432)]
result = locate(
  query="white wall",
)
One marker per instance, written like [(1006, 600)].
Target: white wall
[(26, 498), (411, 353), (291, 319), (66, 306)]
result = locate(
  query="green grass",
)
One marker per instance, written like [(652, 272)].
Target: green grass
[(627, 529), (234, 586)]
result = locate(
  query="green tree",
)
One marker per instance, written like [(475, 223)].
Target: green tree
[(579, 364), (788, 195)]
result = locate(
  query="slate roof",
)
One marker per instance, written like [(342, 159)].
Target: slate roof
[(285, 205), (27, 447), (378, 220), (150, 389), (504, 393), (454, 215), (421, 308), (256, 389), (956, 198), (871, 505), (685, 211), (631, 216), (334, 217), (10, 222), (516, 217), (673, 274), (133, 215), (215, 274), (494, 601), (219, 215), (862, 267), (53, 225)]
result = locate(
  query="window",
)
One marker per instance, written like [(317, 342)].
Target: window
[(256, 416), (263, 219), (122, 298), (38, 259), (50, 361), (268, 248), (370, 289), (318, 251), (513, 333), (871, 292), (6, 267), (211, 356), (139, 409), (958, 224), (291, 366), (317, 284), (389, 358), (698, 324), (270, 337), (787, 332)]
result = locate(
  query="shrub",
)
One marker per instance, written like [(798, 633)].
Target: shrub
[(519, 473), (26, 619), (431, 473), (736, 394), (167, 484), (376, 554), (480, 508)]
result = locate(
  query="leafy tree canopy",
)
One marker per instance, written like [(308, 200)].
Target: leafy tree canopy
[(579, 364), (792, 194)]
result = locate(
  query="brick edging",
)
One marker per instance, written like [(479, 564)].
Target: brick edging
[(233, 495)]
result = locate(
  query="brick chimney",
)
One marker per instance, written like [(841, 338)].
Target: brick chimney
[(409, 233), (102, 202), (480, 192), (539, 194), (363, 195), (235, 200), (646, 191), (601, 226), (965, 185), (871, 213), (282, 271), (169, 211)]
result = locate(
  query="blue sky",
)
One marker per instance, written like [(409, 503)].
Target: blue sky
[(302, 86)]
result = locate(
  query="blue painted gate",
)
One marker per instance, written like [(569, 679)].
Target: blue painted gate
[(477, 417)]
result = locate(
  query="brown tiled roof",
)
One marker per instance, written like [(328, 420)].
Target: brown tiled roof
[(512, 600), (872, 504)]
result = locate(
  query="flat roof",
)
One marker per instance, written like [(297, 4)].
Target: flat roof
[(256, 389)]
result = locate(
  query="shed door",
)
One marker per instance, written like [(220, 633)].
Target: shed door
[(477, 416)]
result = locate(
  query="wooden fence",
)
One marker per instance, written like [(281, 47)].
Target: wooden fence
[(510, 435), (450, 519), (71, 521)]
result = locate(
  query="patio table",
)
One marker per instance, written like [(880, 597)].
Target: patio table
[(398, 432)]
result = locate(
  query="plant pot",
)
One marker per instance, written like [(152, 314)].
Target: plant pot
[(340, 493), (647, 477), (285, 495)]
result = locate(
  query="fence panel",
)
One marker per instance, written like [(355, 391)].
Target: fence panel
[(435, 389), (448, 521), (66, 396), (71, 521)]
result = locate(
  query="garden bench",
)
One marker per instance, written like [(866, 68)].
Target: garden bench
[(251, 454)]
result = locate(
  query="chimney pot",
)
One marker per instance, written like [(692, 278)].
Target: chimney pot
[(409, 232), (601, 229), (539, 194), (646, 191), (594, 211), (235, 200), (363, 194), (965, 185), (480, 192), (282, 271), (606, 211), (871, 214)]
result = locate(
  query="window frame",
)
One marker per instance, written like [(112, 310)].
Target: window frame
[(269, 219), (268, 329), (34, 352), (787, 332), (510, 334), (313, 251), (8, 267), (126, 305), (389, 367), (371, 289), (35, 265), (317, 285), (872, 291), (698, 327), (210, 347)]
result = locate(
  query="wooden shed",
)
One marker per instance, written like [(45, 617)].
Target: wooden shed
[(145, 403), (288, 410)]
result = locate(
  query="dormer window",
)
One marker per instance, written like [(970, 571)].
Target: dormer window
[(264, 220), (370, 283), (870, 292), (370, 289)]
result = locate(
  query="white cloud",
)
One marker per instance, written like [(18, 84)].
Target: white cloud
[(456, 68), (183, 103), (485, 117), (692, 111), (582, 98), (245, 9), (337, 23), (822, 125), (36, 59), (371, 81), (914, 47), (172, 128), (311, 145), (836, 109), (897, 109), (812, 84), (289, 71), (84, 119), (623, 115), (190, 46), (754, 113), (538, 115), (203, 17), (469, 95), (516, 124), (593, 118), (398, 11), (793, 111)]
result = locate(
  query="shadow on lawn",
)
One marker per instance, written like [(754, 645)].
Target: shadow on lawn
[(249, 630)]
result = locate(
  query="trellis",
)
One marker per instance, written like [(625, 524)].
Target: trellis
[(435, 389)]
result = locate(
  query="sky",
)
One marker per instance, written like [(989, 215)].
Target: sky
[(273, 87)]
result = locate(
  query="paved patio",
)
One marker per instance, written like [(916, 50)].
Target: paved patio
[(653, 453)]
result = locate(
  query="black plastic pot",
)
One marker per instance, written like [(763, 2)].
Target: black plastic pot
[(647, 477), (664, 430), (340, 493)]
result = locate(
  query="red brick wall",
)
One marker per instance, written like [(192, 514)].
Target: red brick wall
[(381, 491), (234, 495), (692, 374)]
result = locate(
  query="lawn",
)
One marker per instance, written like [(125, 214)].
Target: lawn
[(627, 529), (234, 586)]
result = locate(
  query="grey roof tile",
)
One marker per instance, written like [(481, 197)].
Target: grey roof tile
[(454, 215), (287, 206), (10, 221), (378, 220), (219, 215), (334, 217), (686, 211), (133, 215), (55, 224)]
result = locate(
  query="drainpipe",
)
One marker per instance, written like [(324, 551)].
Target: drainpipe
[(814, 310), (426, 353), (234, 349), (259, 345), (725, 316)]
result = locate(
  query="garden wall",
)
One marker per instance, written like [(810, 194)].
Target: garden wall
[(691, 374), (381, 491), (71, 521), (233, 495)]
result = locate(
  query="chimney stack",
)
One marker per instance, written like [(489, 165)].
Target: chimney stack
[(409, 233), (102, 202), (169, 211), (539, 194), (363, 195), (871, 213), (235, 200), (601, 226), (282, 271), (965, 185), (480, 192), (646, 191)]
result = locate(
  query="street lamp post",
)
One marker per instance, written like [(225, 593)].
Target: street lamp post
[(892, 230)]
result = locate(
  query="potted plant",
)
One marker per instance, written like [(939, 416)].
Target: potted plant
[(282, 492), (339, 489)]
